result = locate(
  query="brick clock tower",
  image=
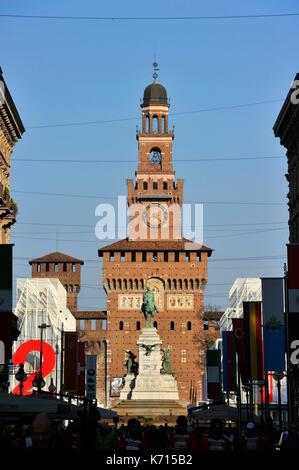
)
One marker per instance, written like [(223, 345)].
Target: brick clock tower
[(156, 255)]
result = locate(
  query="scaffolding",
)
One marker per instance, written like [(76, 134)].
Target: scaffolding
[(242, 290), (42, 301)]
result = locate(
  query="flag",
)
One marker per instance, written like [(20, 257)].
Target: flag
[(253, 339), (273, 324), (293, 278), (229, 361), (213, 361), (239, 334)]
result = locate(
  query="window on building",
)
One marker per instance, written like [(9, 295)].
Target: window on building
[(133, 256), (121, 325), (64, 267), (93, 325), (111, 256), (198, 256), (176, 256), (187, 256), (189, 325), (165, 185), (144, 256), (155, 185), (155, 256), (74, 267), (172, 325), (147, 124), (138, 325), (166, 256), (155, 124), (183, 355), (122, 256), (38, 267), (163, 124), (144, 185), (47, 267), (55, 267), (82, 325), (104, 325), (206, 325)]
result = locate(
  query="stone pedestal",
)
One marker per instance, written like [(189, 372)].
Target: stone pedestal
[(151, 383), (151, 393)]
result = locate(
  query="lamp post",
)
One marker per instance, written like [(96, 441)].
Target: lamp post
[(38, 382), (39, 376), (52, 388), (21, 376), (278, 376)]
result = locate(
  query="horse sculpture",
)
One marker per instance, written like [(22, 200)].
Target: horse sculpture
[(149, 307)]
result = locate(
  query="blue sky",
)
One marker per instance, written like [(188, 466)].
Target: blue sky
[(62, 71)]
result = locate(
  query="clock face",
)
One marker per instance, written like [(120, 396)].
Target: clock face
[(155, 215)]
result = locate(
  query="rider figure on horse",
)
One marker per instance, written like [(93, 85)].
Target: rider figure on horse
[(149, 307)]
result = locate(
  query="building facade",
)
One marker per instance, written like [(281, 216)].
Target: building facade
[(286, 128), (63, 267), (11, 130), (156, 255), (42, 301), (90, 325), (242, 290)]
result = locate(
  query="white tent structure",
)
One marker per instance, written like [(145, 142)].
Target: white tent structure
[(42, 301)]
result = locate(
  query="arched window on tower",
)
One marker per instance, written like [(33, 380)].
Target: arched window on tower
[(138, 325), (155, 156), (172, 325), (147, 124), (189, 326), (119, 284), (155, 124), (163, 125), (121, 325), (180, 284), (130, 284), (186, 283), (125, 284)]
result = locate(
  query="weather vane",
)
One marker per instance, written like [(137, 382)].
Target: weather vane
[(156, 69)]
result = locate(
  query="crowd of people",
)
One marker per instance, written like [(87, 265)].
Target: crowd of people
[(90, 433)]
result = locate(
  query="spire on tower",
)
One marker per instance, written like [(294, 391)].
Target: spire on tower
[(156, 69)]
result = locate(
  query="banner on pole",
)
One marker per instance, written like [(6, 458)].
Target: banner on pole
[(273, 324), (229, 361), (293, 278), (213, 358), (253, 339)]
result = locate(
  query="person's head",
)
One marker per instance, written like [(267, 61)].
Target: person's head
[(182, 421), (134, 427), (216, 428), (41, 427), (250, 429), (293, 433)]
